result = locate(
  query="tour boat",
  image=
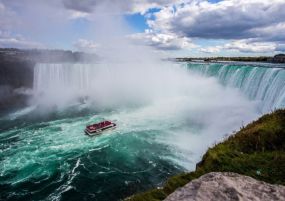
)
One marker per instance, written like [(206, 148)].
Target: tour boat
[(96, 129)]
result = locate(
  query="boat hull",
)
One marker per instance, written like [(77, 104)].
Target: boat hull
[(99, 131)]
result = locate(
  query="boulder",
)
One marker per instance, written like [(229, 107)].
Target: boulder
[(227, 186)]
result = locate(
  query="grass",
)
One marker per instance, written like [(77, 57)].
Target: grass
[(257, 150)]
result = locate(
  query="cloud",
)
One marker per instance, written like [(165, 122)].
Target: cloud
[(211, 50), (162, 41), (274, 32), (7, 17), (45, 21), (34, 17), (86, 45), (251, 47), (82, 6), (280, 47), (78, 14), (130, 6), (244, 46), (18, 41), (229, 19), (245, 26)]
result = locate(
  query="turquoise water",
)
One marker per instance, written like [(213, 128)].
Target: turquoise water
[(44, 154), (53, 159)]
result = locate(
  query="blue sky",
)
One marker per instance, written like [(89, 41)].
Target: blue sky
[(137, 21), (175, 27)]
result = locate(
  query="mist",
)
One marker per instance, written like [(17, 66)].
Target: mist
[(135, 82), (126, 73)]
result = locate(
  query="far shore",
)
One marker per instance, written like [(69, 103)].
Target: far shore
[(279, 58)]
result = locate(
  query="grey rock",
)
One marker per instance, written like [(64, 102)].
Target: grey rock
[(217, 186)]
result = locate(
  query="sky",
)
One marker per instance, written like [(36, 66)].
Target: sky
[(177, 28)]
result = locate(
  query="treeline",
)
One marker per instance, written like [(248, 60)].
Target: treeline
[(280, 58), (45, 55), (248, 59)]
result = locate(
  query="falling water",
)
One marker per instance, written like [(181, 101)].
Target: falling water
[(263, 84)]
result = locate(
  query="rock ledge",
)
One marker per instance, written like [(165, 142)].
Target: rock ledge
[(227, 186)]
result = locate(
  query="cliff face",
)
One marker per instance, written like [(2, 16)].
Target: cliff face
[(227, 186), (257, 150), (16, 79), (16, 73)]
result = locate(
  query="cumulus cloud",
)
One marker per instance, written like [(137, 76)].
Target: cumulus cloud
[(230, 19), (163, 41), (274, 32), (86, 45)]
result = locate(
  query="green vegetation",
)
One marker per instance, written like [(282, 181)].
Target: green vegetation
[(257, 150)]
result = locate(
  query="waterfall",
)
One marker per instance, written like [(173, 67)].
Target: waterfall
[(263, 84), (105, 83), (70, 76), (59, 84)]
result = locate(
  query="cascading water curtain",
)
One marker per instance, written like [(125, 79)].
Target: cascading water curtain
[(266, 85)]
